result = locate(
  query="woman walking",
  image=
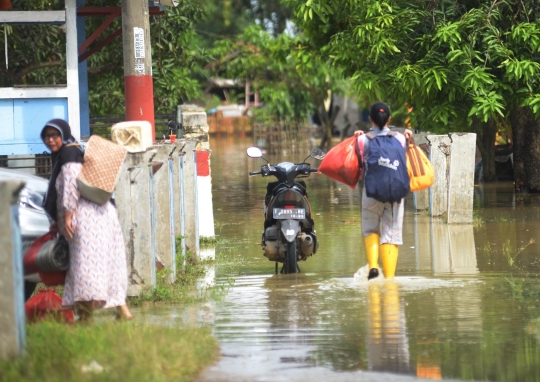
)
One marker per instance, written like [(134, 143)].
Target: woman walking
[(381, 222), (97, 275)]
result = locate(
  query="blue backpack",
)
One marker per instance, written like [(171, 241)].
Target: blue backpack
[(387, 179)]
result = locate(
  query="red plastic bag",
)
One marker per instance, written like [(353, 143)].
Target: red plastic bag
[(46, 303), (341, 163), (51, 279)]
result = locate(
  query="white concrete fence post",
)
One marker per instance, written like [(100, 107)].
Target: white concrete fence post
[(204, 195), (451, 196), (440, 150), (191, 234), (133, 200), (12, 319), (195, 126), (461, 184), (162, 194)]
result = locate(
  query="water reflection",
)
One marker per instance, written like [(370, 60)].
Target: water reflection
[(208, 280), (388, 345), (449, 313), (452, 248)]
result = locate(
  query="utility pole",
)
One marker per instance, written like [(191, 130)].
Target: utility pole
[(138, 86)]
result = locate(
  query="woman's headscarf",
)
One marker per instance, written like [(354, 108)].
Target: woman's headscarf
[(65, 155)]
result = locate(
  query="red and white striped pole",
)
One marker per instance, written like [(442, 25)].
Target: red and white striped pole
[(138, 86), (204, 195)]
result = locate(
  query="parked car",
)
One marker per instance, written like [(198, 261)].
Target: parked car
[(33, 220)]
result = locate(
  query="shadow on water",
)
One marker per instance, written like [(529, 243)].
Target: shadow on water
[(463, 305)]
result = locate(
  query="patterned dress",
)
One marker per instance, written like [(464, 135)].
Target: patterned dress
[(98, 269)]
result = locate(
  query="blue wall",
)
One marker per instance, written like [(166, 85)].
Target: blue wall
[(21, 121)]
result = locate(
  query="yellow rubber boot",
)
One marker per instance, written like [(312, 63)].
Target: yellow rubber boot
[(372, 250), (389, 254)]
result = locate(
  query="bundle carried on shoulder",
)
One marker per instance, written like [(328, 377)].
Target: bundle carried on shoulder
[(341, 163), (419, 167), (102, 163)]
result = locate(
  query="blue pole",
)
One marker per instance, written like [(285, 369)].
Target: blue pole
[(152, 227), (18, 281), (83, 77), (173, 231), (182, 210)]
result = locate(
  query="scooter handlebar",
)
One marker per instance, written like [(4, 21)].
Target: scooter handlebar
[(313, 170), (253, 173)]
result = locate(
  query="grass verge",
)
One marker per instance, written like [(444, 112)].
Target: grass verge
[(188, 287), (111, 351), (185, 289)]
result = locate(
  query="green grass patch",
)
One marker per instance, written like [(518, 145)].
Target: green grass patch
[(478, 221), (189, 271), (501, 219), (510, 252), (185, 289), (205, 242), (111, 351), (524, 288)]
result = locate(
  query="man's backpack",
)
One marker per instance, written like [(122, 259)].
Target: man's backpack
[(386, 178)]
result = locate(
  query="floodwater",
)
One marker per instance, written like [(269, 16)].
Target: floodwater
[(462, 307)]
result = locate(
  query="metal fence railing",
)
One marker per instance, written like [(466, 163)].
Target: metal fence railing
[(279, 136), (41, 164)]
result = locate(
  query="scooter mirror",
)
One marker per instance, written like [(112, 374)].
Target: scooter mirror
[(317, 154), (254, 152)]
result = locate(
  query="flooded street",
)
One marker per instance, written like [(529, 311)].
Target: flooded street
[(464, 304)]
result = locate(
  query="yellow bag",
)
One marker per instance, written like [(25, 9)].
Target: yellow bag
[(419, 167)]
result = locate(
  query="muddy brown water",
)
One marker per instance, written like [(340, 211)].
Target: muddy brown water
[(457, 310)]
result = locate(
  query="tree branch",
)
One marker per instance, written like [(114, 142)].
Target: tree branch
[(99, 69), (31, 68)]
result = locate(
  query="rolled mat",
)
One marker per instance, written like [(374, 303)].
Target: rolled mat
[(46, 254)]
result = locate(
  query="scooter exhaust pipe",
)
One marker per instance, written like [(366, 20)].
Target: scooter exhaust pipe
[(306, 244)]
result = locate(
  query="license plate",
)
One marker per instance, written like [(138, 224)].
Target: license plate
[(292, 213)]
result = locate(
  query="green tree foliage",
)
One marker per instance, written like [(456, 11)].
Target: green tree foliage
[(460, 65), (292, 81), (229, 18), (37, 56)]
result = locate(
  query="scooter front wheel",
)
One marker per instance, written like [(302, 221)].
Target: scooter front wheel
[(290, 262)]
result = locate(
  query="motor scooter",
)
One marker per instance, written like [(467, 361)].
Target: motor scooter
[(289, 231)]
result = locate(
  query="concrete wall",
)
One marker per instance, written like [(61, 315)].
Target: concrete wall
[(12, 320), (452, 157), (151, 206), (133, 202), (440, 158), (158, 200), (461, 179)]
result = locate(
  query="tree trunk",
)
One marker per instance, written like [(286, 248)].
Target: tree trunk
[(485, 140), (526, 130), (519, 119), (326, 141), (328, 125)]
